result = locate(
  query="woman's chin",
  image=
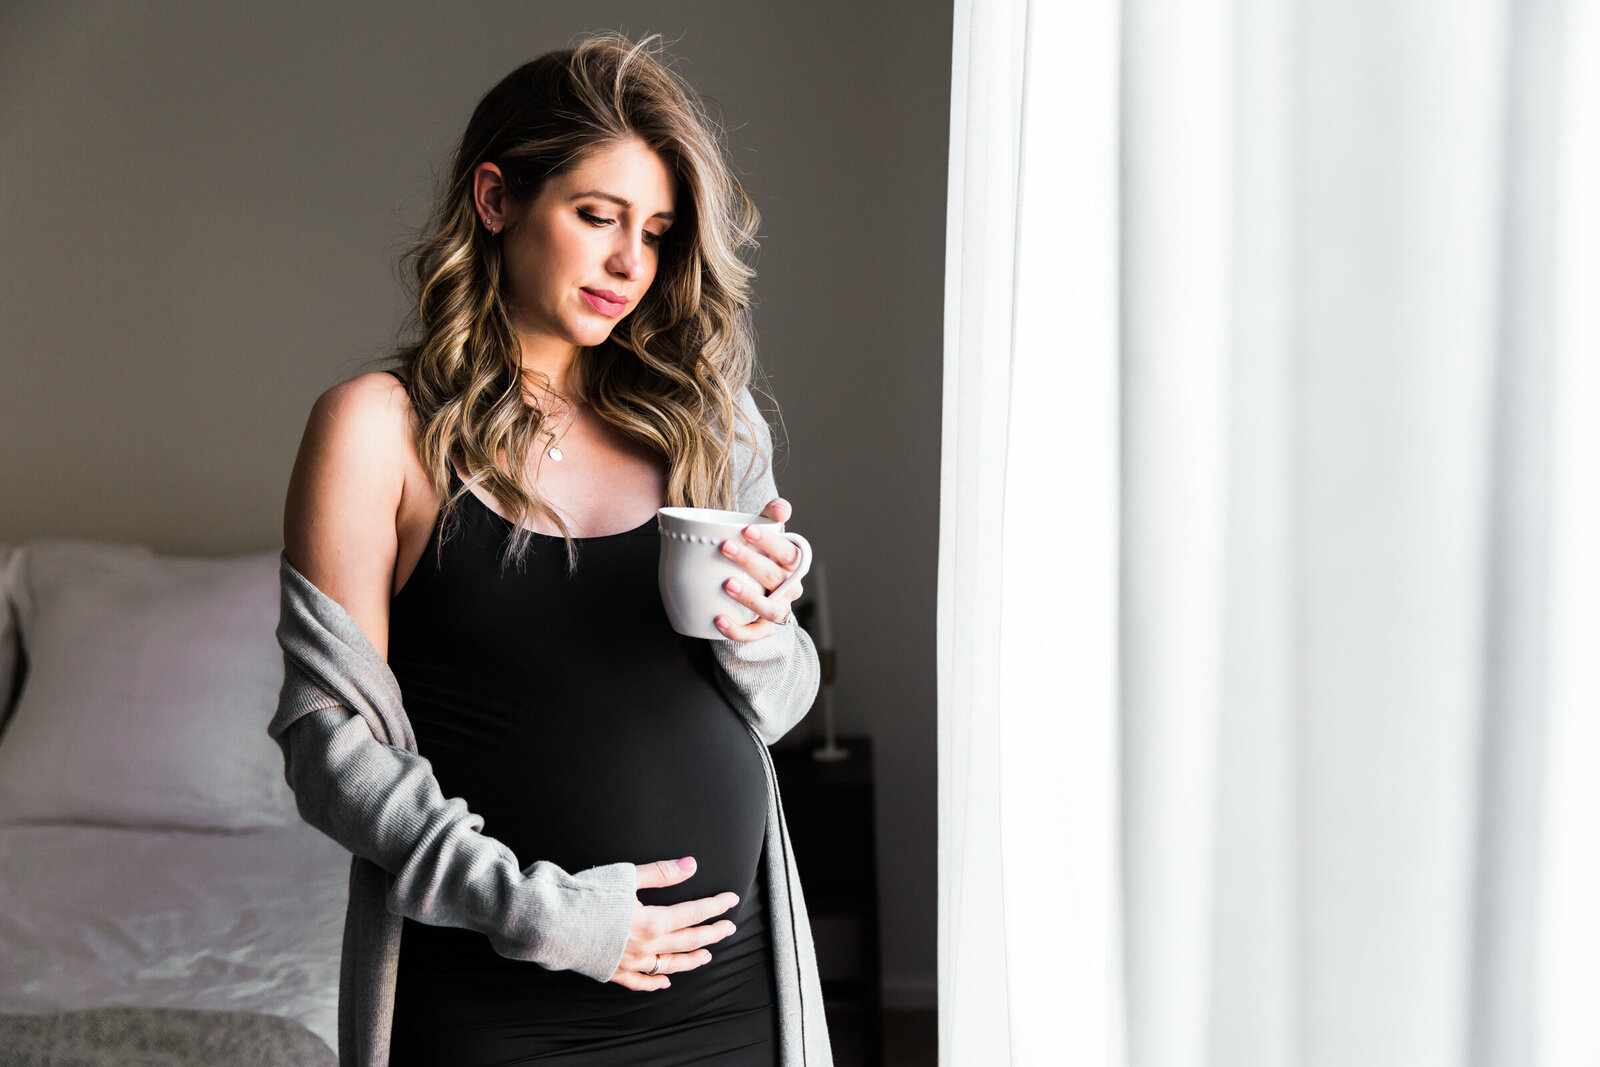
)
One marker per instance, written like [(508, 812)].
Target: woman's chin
[(595, 338), (587, 334)]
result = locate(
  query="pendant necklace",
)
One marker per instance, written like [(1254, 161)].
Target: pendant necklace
[(554, 451)]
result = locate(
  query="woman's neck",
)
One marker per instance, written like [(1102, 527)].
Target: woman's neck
[(550, 378)]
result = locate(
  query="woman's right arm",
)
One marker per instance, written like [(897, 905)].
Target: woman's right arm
[(382, 802), (340, 521)]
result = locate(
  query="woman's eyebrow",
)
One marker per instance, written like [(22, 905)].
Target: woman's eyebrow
[(615, 199)]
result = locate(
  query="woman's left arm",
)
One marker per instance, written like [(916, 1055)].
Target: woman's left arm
[(769, 669)]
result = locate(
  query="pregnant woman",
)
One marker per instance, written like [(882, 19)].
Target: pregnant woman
[(567, 838)]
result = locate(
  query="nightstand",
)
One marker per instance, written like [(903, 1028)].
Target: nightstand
[(830, 811)]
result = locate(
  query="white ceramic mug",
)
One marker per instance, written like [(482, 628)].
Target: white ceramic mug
[(693, 567)]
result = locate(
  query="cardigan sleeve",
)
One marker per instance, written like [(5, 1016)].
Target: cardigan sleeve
[(384, 803), (772, 681)]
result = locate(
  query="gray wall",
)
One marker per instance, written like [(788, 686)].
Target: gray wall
[(200, 211)]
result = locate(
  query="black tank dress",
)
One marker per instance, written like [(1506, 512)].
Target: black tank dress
[(585, 731)]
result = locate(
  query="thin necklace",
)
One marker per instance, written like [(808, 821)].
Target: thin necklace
[(554, 451)]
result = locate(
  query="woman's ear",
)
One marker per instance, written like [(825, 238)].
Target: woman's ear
[(489, 195)]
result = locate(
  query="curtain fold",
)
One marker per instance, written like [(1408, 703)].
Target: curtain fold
[(1566, 950), (1268, 725), (1029, 951), (984, 149), (1177, 243)]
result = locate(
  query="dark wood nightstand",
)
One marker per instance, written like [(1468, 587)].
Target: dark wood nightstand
[(830, 811)]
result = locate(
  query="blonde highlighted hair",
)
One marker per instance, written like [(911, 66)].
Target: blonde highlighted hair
[(670, 374)]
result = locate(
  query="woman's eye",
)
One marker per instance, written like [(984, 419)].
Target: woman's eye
[(650, 238)]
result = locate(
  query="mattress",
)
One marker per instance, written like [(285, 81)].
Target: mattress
[(92, 916)]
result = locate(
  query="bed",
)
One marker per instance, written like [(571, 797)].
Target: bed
[(161, 903)]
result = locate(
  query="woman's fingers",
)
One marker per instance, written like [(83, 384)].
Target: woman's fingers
[(773, 607), (768, 558), (763, 569), (682, 950), (765, 574), (640, 982), (670, 918), (665, 872), (692, 939), (671, 938), (774, 545), (745, 631), (676, 962), (771, 610)]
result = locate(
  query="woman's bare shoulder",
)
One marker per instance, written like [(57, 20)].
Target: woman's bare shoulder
[(339, 525), (376, 397), (371, 414)]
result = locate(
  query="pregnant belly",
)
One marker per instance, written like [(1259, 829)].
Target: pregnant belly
[(653, 769)]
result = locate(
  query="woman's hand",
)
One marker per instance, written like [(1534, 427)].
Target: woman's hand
[(769, 560), (668, 940)]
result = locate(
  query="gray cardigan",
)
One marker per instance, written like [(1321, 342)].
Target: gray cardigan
[(351, 759)]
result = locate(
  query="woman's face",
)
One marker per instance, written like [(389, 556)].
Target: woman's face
[(588, 240)]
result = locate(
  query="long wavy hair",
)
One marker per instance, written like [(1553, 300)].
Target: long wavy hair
[(670, 373)]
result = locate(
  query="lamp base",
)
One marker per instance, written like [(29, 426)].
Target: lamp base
[(830, 753)]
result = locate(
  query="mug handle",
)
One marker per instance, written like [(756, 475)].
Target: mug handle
[(802, 567)]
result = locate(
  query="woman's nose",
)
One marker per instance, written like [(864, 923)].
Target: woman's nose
[(628, 258)]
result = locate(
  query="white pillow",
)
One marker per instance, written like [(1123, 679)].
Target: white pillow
[(149, 684)]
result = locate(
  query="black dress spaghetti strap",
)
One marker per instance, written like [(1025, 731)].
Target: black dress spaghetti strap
[(585, 731)]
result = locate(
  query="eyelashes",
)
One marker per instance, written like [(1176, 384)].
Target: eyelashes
[(596, 220)]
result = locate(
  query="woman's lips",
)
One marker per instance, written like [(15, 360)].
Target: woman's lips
[(609, 308)]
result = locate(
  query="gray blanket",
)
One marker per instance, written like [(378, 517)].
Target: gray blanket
[(159, 1037)]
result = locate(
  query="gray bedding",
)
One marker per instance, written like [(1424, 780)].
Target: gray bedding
[(159, 1037)]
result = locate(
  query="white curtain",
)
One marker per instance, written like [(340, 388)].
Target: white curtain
[(1269, 701)]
